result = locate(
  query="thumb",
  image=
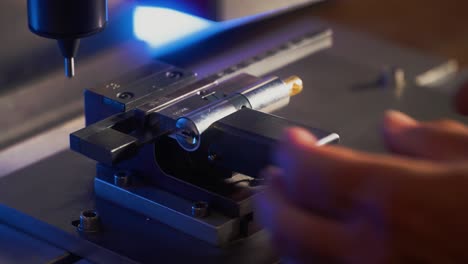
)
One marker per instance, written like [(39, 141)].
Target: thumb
[(444, 140)]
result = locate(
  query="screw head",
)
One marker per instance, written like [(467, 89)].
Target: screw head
[(200, 209), (89, 222), (125, 95), (122, 178)]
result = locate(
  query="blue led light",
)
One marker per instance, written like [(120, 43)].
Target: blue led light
[(162, 26)]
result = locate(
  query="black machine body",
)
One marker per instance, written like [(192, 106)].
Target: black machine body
[(67, 22)]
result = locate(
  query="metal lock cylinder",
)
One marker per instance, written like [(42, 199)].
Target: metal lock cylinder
[(267, 96)]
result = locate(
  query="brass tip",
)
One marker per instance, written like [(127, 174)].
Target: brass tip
[(294, 84)]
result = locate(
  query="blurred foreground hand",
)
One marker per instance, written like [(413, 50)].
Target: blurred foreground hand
[(332, 204)]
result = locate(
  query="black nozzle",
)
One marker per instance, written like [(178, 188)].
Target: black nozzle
[(67, 21), (69, 49)]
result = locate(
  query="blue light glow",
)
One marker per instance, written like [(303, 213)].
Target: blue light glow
[(162, 26), (165, 29)]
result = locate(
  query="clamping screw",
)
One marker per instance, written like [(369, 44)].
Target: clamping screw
[(89, 222), (200, 209), (122, 178)]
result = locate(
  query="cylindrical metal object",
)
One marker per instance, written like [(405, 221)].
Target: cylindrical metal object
[(200, 209), (122, 178), (267, 95), (69, 64), (190, 127), (89, 222)]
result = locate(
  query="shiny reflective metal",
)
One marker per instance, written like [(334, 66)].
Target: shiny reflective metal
[(191, 127), (269, 95), (266, 95), (69, 67)]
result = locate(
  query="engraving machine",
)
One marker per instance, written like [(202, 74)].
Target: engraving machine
[(169, 145), (159, 132), (179, 141)]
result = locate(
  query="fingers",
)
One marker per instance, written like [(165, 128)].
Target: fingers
[(306, 237), (441, 140), (298, 234), (461, 100), (331, 177)]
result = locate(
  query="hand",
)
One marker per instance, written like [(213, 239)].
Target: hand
[(461, 100), (338, 205)]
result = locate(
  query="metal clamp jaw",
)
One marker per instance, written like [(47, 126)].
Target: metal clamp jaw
[(189, 137)]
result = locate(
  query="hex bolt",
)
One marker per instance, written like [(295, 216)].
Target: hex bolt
[(200, 209), (122, 178), (89, 222)]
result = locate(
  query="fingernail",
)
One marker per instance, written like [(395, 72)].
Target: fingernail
[(293, 139), (394, 117), (297, 135)]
